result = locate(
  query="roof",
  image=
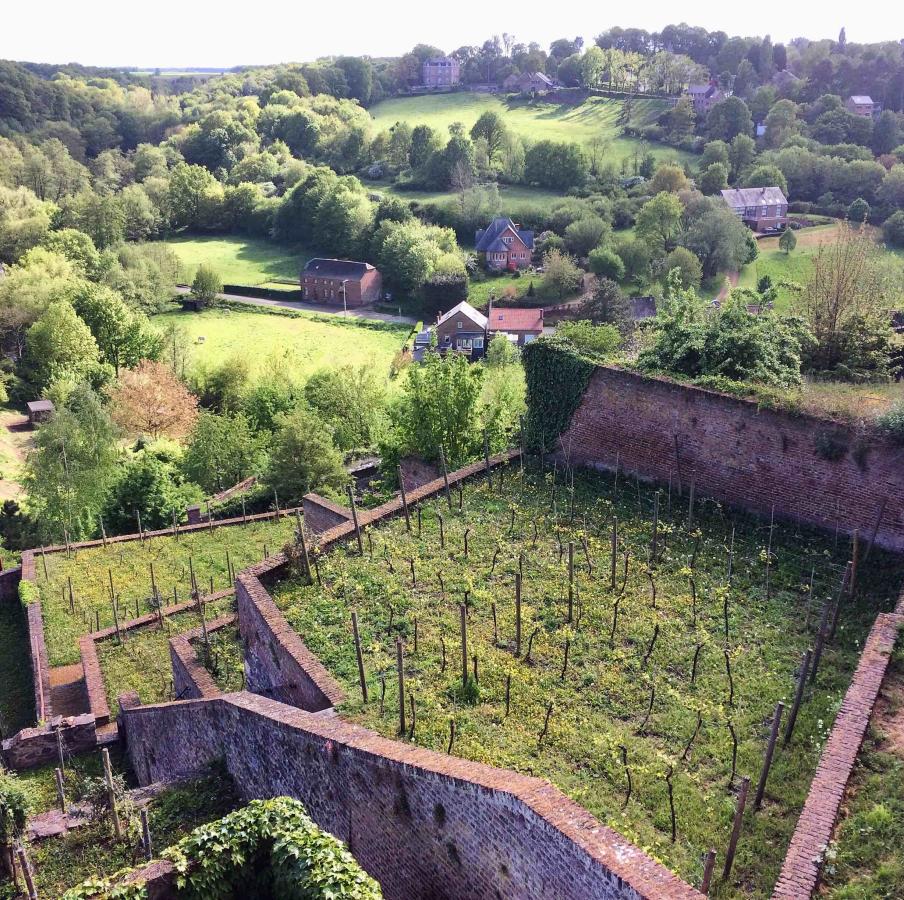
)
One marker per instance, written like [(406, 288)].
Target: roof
[(337, 268), (440, 61), (40, 406), (510, 318), (753, 196), (487, 238), (465, 308), (862, 99)]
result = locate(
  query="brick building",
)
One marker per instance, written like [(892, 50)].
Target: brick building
[(861, 105), (505, 245), (340, 282), (440, 72), (760, 208)]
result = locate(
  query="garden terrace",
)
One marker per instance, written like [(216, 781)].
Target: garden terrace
[(659, 675), (90, 569)]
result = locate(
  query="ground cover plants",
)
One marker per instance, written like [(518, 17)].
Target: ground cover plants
[(658, 691), (128, 563), (16, 698)]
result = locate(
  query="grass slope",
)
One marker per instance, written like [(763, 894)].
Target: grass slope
[(600, 702), (538, 120), (299, 343), (16, 697), (239, 260)]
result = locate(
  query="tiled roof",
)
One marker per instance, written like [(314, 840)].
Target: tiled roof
[(515, 319), (862, 100), (337, 268), (754, 196), (478, 318), (486, 238)]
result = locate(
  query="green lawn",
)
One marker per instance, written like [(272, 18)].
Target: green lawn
[(596, 117), (240, 260), (299, 343), (515, 197), (479, 291)]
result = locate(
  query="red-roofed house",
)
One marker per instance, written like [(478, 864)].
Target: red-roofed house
[(523, 325)]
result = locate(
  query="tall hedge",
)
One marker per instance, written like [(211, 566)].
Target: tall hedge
[(557, 376)]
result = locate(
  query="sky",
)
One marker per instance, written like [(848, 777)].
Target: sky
[(198, 33)]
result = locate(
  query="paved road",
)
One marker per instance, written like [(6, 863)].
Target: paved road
[(298, 306)]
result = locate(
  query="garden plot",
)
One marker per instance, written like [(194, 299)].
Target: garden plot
[(651, 701), (124, 569)]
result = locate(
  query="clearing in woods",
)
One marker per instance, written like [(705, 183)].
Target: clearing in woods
[(657, 675)]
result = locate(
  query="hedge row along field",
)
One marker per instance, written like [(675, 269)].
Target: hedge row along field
[(128, 563), (634, 694)]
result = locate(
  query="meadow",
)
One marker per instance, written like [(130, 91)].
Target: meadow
[(594, 118), (241, 260), (665, 683), (296, 343), (128, 564)]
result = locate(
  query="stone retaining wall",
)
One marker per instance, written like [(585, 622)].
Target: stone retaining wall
[(36, 746), (191, 679), (321, 514)]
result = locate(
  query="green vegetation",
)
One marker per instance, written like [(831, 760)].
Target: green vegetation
[(141, 662), (600, 698), (503, 287), (296, 343), (240, 260), (129, 563), (226, 661), (16, 698), (596, 118), (864, 860)]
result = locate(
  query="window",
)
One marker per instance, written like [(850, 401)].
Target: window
[(458, 325), (463, 344), (478, 343)]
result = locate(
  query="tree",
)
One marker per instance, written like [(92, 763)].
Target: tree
[(151, 400), (893, 229), (741, 154), (659, 222), (847, 303), (714, 179), (690, 272), (438, 410), (788, 240), (561, 276), (715, 152), (586, 233), (719, 239), (349, 399), (24, 221), (152, 486), (558, 166), (303, 457), (670, 178), (728, 118), (767, 175), (781, 123), (222, 451), (491, 127), (858, 211), (501, 352), (74, 463), (596, 341), (206, 286), (606, 263), (59, 346), (607, 305), (886, 133)]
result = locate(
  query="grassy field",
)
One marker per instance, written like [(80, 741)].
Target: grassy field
[(515, 198), (538, 120), (479, 291), (240, 260), (129, 563), (299, 343), (621, 674), (142, 662)]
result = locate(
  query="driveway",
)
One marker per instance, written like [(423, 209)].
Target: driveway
[(299, 306)]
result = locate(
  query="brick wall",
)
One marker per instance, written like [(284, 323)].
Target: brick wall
[(426, 825), (739, 454), (800, 873), (9, 584), (36, 746), (191, 679), (321, 514)]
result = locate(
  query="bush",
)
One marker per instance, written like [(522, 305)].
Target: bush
[(595, 341), (606, 263), (893, 229), (14, 808), (891, 423)]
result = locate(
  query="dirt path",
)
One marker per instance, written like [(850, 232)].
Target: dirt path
[(731, 281), (16, 439)]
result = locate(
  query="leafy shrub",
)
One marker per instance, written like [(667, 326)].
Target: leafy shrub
[(598, 341), (891, 423), (829, 446), (28, 592), (14, 806)]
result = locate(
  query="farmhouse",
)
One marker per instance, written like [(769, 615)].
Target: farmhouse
[(340, 282), (463, 329), (760, 208), (705, 96), (439, 72), (528, 83), (521, 325), (862, 105), (505, 245)]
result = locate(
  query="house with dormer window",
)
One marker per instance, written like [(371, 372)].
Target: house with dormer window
[(505, 245)]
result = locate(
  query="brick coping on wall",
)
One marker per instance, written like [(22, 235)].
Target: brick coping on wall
[(95, 687), (181, 646), (801, 870), (603, 845)]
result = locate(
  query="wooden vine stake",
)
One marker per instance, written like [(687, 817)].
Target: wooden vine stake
[(61, 793), (736, 828), (770, 751), (655, 541), (400, 671), (442, 459), (463, 624), (798, 695), (146, 834), (570, 617), (517, 614), (354, 508), (614, 549), (27, 873), (708, 866), (302, 542), (404, 499), (486, 456), (111, 793), (359, 656)]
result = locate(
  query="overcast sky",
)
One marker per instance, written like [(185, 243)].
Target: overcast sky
[(173, 33)]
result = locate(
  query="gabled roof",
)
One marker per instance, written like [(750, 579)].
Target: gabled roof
[(40, 406), (486, 238), (510, 318), (465, 308), (754, 196), (862, 99), (337, 268)]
